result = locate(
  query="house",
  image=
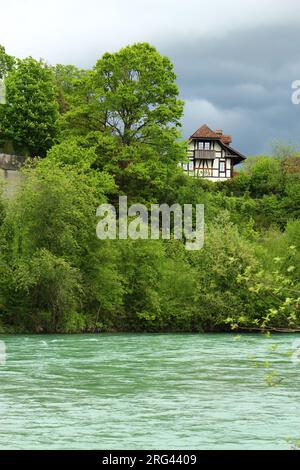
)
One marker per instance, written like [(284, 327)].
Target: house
[(210, 155)]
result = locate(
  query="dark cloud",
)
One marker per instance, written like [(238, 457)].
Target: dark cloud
[(235, 60), (242, 83)]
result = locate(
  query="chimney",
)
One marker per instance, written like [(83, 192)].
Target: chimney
[(226, 139)]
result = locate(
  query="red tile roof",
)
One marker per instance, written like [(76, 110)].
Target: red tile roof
[(226, 139), (204, 132)]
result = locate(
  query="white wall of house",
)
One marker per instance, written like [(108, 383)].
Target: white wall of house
[(221, 168)]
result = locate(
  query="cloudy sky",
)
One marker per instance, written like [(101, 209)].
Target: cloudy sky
[(235, 59)]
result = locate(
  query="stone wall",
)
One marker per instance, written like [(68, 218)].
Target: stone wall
[(9, 174)]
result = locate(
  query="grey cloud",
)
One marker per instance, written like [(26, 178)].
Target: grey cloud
[(241, 82), (235, 60)]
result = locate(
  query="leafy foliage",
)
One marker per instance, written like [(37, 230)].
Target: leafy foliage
[(28, 120), (6, 62), (110, 131)]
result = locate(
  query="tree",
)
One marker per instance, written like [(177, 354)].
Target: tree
[(159, 287), (278, 295), (225, 256), (30, 115), (134, 111), (52, 289), (79, 111), (138, 94), (6, 62), (69, 84), (127, 112), (52, 264)]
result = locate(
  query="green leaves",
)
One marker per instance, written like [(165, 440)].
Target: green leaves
[(138, 94), (6, 62), (30, 115), (52, 285), (49, 242), (115, 130)]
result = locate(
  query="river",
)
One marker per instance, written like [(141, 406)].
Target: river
[(149, 391)]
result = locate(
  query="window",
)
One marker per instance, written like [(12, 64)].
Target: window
[(191, 165), (203, 145), (222, 167)]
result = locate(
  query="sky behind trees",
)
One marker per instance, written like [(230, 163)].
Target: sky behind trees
[(235, 61)]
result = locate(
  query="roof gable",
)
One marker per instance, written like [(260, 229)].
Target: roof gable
[(204, 132)]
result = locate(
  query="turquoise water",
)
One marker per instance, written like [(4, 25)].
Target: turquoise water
[(145, 391)]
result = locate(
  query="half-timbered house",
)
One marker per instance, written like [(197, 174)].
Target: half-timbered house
[(210, 155)]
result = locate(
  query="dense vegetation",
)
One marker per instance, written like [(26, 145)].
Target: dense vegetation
[(110, 131)]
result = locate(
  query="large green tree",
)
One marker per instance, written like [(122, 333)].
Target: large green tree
[(134, 112), (138, 92), (29, 118)]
